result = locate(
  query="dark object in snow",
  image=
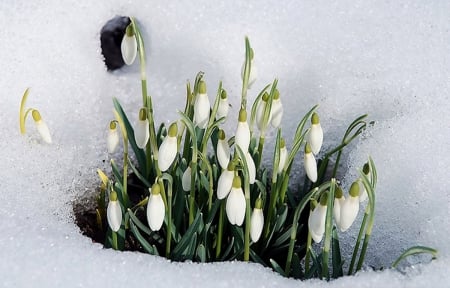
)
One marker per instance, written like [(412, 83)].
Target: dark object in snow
[(110, 39)]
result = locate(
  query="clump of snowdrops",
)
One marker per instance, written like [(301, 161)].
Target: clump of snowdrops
[(227, 206)]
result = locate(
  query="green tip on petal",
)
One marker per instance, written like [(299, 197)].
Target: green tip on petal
[(308, 148), (223, 94), (231, 166), (130, 31), (221, 134), (242, 115), (276, 94), (36, 115), (324, 199), (202, 87), (143, 114), (112, 125), (313, 204), (354, 189), (156, 189), (173, 130), (315, 118), (258, 203), (265, 97), (237, 182), (113, 196), (366, 169), (338, 193), (282, 143)]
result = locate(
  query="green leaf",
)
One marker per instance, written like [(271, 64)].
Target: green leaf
[(414, 251), (147, 247), (116, 172), (296, 271), (277, 267), (201, 253), (188, 237)]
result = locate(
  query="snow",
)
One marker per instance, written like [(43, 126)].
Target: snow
[(352, 57)]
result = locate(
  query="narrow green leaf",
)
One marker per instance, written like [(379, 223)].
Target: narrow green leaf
[(177, 252), (147, 247), (414, 251), (277, 267)]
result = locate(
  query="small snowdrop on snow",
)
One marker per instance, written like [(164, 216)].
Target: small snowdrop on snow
[(112, 140), (114, 212), (128, 46), (142, 132)]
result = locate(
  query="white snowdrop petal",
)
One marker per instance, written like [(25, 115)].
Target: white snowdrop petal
[(128, 48), (283, 158), (277, 113), (186, 179), (201, 110), (251, 168), (256, 224), (114, 215), (242, 136), (310, 166), (223, 153), (44, 131), (316, 222), (167, 153), (142, 133), (235, 206), (315, 138), (349, 211), (112, 141), (224, 184), (338, 202), (222, 110), (259, 117), (155, 212)]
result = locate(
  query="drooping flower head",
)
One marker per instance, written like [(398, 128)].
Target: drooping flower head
[(257, 221), (168, 149), (112, 141), (201, 107), (41, 126), (225, 181), (114, 212), (350, 207), (224, 106), (283, 155), (339, 200), (259, 117), (310, 164), (128, 46), (235, 206), (242, 136), (155, 208), (186, 179), (277, 110), (316, 220), (315, 134), (142, 132), (223, 150)]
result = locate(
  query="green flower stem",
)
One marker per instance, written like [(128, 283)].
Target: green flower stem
[(169, 220), (358, 242), (328, 230), (308, 253), (207, 166), (220, 229), (114, 243)]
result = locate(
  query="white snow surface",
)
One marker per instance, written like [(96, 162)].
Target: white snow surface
[(390, 59)]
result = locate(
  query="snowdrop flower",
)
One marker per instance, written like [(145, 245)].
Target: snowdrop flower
[(168, 149), (316, 220), (315, 134), (113, 137), (251, 168), (253, 71), (350, 207), (41, 127), (186, 179), (310, 164), (114, 212), (339, 200), (259, 117), (128, 46), (222, 110), (235, 207), (155, 208), (201, 107), (363, 194), (223, 150), (225, 181), (283, 156), (242, 136), (277, 110), (257, 221), (142, 132)]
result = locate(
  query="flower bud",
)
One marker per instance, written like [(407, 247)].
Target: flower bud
[(283, 156), (222, 109), (168, 149), (259, 117), (142, 132), (201, 107), (112, 140), (242, 136), (315, 134), (155, 208), (235, 206), (128, 46), (339, 200), (310, 164), (223, 150), (114, 212), (350, 208), (225, 181), (277, 110), (41, 127), (316, 220), (186, 179), (257, 221)]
